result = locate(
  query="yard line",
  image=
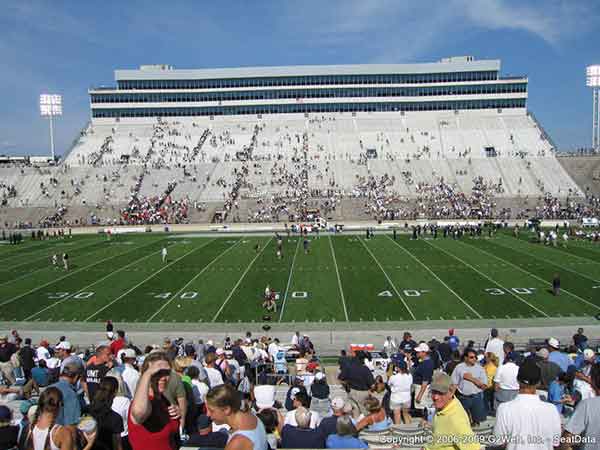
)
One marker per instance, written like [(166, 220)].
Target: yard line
[(97, 281), (536, 277), (437, 278), (547, 261), (146, 279), (193, 279), (388, 278), (68, 274), (240, 280), (287, 288), (337, 271), (489, 278)]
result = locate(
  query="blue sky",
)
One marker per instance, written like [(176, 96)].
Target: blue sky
[(66, 47)]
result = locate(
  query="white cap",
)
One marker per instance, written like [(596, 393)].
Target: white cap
[(422, 347), (219, 352), (588, 354), (553, 342), (64, 345), (265, 396), (128, 353), (293, 392), (319, 375)]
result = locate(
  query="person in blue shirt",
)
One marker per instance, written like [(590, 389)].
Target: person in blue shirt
[(40, 374), (453, 340), (70, 413), (345, 436), (556, 356), (557, 392)]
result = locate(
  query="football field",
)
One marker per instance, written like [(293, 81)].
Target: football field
[(343, 277)]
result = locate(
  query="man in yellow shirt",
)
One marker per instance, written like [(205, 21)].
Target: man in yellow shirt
[(451, 425)]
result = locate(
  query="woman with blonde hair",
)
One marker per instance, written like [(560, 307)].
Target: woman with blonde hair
[(491, 367), (376, 419), (44, 433), (223, 405)]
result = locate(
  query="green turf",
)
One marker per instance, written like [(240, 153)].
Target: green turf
[(341, 278)]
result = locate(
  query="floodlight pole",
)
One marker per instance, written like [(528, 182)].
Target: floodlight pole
[(596, 120), (52, 136)]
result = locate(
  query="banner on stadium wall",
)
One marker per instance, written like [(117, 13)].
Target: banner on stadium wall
[(590, 222)]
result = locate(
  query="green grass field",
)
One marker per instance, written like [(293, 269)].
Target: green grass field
[(343, 278)]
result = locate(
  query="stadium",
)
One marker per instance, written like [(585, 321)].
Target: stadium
[(349, 201)]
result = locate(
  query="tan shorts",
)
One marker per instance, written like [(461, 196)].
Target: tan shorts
[(426, 401)]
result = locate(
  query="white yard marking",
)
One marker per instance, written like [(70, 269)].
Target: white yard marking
[(193, 279), (146, 279), (388, 278), (287, 288), (337, 272), (538, 278), (438, 278), (491, 279), (84, 289), (240, 280)]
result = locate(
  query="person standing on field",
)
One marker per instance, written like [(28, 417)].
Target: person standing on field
[(65, 259), (556, 285), (163, 252)]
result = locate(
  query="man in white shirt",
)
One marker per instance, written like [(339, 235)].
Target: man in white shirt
[(130, 374), (527, 423), (389, 346), (496, 346), (42, 352), (214, 376), (273, 349), (301, 399), (505, 381), (296, 339), (163, 253)]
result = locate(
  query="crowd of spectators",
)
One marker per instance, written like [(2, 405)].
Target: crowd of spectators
[(223, 394)]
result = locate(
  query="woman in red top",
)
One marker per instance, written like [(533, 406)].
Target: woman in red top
[(153, 422)]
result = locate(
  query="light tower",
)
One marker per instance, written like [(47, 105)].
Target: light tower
[(593, 81), (50, 106)]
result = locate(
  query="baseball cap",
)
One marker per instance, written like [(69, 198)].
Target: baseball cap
[(265, 396), (441, 383), (529, 373), (401, 364), (3, 337), (554, 343), (128, 353), (338, 403), (219, 352), (319, 376), (203, 421), (451, 331), (422, 347), (64, 345), (543, 353), (588, 354), (293, 392)]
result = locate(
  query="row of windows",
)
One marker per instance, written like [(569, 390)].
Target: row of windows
[(309, 80), (308, 108), (309, 93)]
